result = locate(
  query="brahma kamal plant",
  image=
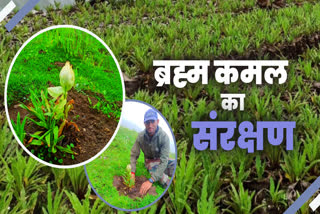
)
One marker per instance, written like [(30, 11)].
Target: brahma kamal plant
[(59, 93), (51, 115), (127, 179)]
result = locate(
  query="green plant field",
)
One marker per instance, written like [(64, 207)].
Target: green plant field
[(113, 162), (141, 31)]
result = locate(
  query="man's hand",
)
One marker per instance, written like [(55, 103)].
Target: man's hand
[(145, 187)]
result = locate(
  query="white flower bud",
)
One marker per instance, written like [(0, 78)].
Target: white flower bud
[(129, 168), (67, 77)]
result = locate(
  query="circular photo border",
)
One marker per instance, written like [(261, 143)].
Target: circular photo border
[(174, 171), (6, 87)]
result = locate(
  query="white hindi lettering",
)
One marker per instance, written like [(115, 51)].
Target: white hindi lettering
[(230, 101), (162, 74), (227, 72), (181, 76)]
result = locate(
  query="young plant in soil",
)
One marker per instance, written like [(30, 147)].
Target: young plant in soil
[(51, 115), (59, 93), (19, 127), (127, 179), (241, 201), (277, 196)]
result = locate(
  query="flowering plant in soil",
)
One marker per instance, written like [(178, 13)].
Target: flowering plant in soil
[(59, 93), (127, 179), (51, 115)]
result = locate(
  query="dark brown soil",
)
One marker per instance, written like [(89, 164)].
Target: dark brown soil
[(96, 129), (134, 191), (271, 4)]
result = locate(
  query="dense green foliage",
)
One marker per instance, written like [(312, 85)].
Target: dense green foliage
[(25, 181)]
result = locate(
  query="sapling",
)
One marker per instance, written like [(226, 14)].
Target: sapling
[(52, 114), (260, 167), (127, 179), (19, 127), (277, 196), (62, 107), (239, 174), (241, 201)]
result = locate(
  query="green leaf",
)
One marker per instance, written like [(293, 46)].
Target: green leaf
[(44, 98), (36, 142), (37, 135), (54, 150), (62, 149), (48, 139), (55, 92), (59, 109)]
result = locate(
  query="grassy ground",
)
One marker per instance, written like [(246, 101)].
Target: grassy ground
[(143, 31), (114, 162)]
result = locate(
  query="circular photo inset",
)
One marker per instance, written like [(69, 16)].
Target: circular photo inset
[(63, 96), (138, 167)]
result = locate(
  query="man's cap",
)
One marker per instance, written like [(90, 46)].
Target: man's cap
[(150, 115)]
